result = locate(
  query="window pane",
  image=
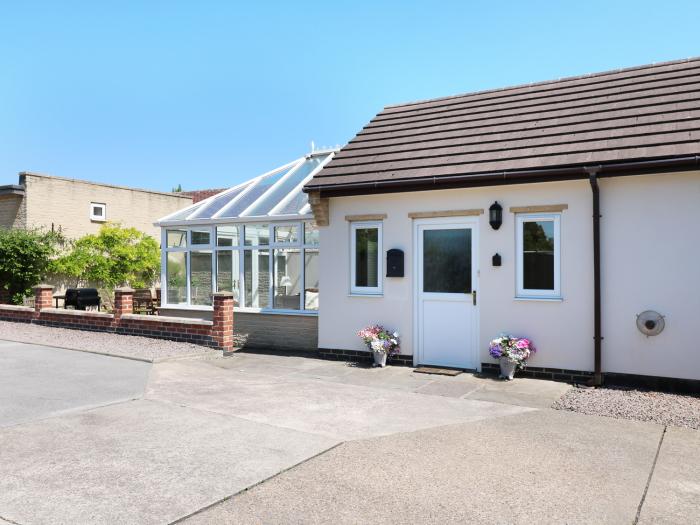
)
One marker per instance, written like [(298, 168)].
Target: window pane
[(228, 274), (200, 278), (538, 255), (227, 236), (200, 236), (176, 277), (287, 233), (256, 273), (310, 233), (257, 234), (287, 266), (366, 257), (176, 238), (447, 261), (311, 261)]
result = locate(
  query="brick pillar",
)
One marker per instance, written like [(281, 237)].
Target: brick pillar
[(158, 297), (43, 297), (222, 330), (123, 302)]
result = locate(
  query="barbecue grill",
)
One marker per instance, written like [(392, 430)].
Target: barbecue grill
[(81, 298)]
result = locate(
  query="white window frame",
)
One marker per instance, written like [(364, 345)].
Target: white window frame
[(240, 250), (521, 291), (366, 290), (98, 218)]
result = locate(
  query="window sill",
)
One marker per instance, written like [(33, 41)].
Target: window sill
[(201, 308), (369, 295), (269, 311), (540, 299)]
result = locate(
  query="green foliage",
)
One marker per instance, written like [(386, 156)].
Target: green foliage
[(177, 189), (25, 259), (116, 256)]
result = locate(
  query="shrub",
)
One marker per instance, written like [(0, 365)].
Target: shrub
[(25, 259)]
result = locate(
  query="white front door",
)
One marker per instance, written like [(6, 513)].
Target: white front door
[(446, 312)]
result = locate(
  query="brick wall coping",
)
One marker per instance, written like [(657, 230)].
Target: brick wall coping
[(43, 287), (83, 313), (165, 319), (15, 308)]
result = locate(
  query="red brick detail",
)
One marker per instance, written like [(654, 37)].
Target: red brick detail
[(222, 329), (18, 316), (123, 303), (43, 297)]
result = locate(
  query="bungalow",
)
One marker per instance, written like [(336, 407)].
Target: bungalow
[(566, 211)]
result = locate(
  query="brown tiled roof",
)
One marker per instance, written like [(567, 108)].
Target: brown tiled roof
[(636, 114), (200, 195)]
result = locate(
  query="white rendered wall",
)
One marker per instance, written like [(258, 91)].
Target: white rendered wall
[(650, 259)]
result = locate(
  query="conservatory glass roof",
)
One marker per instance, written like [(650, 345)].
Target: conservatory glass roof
[(275, 195)]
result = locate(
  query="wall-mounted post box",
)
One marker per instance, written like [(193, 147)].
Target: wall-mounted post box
[(394, 263)]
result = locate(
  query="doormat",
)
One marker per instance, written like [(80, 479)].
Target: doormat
[(437, 371)]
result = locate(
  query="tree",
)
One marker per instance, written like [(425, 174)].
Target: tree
[(116, 256), (25, 259), (177, 189)]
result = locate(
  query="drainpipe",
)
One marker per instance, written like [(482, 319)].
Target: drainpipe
[(597, 379)]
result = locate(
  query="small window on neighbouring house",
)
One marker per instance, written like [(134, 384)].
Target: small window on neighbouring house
[(98, 211), (366, 259), (538, 255)]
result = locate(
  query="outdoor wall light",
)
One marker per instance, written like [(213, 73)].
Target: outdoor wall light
[(495, 215)]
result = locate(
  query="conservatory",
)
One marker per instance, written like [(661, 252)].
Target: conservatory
[(257, 240)]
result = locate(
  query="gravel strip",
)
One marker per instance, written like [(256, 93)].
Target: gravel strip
[(637, 404), (101, 342)]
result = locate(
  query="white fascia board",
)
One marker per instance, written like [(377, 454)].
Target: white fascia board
[(238, 220), (299, 187)]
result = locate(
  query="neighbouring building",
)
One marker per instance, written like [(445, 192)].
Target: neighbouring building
[(258, 240), (567, 212), (80, 207)]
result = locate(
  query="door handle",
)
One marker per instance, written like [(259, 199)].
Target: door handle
[(474, 297)]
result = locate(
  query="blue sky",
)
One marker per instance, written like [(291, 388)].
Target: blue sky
[(207, 94)]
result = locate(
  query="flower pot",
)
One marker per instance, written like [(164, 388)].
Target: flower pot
[(379, 359), (507, 368)]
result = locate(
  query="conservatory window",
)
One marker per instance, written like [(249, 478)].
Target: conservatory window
[(200, 278), (311, 261), (287, 233), (287, 272), (310, 233), (176, 238), (227, 236), (256, 277), (228, 273), (200, 237), (257, 234), (538, 255), (176, 277), (366, 261)]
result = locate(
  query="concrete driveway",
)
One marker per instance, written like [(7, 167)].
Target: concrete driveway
[(269, 439)]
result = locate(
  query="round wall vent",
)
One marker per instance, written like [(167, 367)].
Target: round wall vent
[(650, 323)]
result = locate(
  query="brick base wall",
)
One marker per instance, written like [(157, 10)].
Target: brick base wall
[(173, 329), (19, 314), (361, 356), (76, 320), (535, 372)]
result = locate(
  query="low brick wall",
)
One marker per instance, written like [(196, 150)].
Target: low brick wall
[(277, 331), (217, 333), (196, 331)]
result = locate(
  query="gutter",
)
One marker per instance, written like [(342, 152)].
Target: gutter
[(504, 177)]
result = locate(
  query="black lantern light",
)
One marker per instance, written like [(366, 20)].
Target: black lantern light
[(495, 215)]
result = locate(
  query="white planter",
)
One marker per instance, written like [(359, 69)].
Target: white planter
[(379, 359), (507, 368)]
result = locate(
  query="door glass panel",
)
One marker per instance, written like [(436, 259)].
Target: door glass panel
[(228, 273), (287, 268), (200, 278), (538, 255), (447, 261), (256, 275)]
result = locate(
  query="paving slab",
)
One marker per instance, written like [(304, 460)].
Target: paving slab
[(138, 462), (534, 393), (537, 467), (674, 490), (331, 409), (38, 381)]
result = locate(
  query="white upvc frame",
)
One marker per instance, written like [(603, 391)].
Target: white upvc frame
[(98, 218), (240, 249), (521, 291), (366, 290)]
